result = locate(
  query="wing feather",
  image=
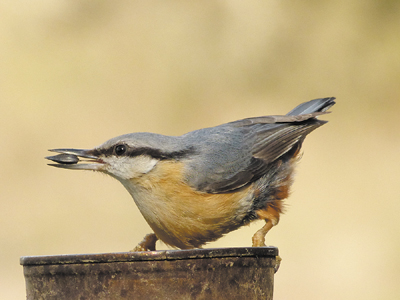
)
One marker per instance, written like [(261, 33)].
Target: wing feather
[(248, 148)]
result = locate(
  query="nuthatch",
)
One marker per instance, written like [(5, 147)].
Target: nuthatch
[(194, 188)]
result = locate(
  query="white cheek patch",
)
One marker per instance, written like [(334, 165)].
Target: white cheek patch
[(129, 167)]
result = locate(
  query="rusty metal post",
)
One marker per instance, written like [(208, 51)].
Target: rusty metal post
[(222, 273)]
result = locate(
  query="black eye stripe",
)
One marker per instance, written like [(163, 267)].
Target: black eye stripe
[(132, 152), (158, 154)]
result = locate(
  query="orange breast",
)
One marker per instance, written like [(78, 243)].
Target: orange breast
[(181, 216)]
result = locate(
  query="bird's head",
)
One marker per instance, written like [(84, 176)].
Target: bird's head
[(124, 157)]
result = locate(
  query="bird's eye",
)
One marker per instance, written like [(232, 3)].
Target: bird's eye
[(120, 149)]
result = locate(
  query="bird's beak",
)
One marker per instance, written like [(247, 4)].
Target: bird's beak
[(72, 158)]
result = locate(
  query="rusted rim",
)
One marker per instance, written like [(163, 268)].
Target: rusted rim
[(149, 255)]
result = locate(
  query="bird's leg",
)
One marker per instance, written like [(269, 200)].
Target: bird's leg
[(259, 236), (148, 243), (271, 217)]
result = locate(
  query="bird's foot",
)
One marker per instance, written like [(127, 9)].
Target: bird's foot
[(278, 260), (259, 241), (148, 243)]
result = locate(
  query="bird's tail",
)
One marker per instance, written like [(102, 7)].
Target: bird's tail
[(317, 105)]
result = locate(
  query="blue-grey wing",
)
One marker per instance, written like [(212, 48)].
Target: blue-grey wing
[(233, 155)]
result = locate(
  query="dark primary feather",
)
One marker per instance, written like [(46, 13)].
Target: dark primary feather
[(317, 105), (254, 145)]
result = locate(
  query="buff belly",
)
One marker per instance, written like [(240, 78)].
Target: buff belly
[(181, 216)]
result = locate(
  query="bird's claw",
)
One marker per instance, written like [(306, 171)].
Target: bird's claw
[(278, 260), (148, 243)]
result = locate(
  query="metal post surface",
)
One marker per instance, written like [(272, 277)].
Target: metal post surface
[(221, 273)]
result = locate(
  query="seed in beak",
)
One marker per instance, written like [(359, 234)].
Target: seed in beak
[(68, 159)]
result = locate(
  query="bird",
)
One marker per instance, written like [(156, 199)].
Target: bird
[(194, 188)]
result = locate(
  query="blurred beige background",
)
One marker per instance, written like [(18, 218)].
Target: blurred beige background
[(76, 73)]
